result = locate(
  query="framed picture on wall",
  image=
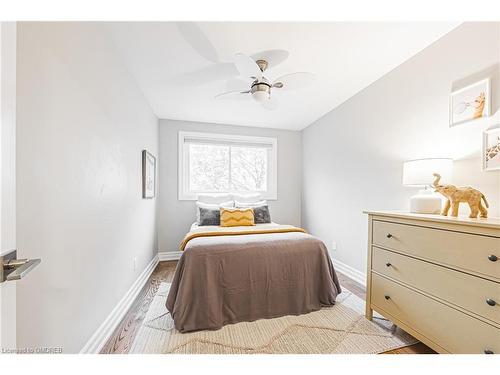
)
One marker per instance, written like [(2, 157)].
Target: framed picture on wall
[(491, 149), (470, 103), (148, 175)]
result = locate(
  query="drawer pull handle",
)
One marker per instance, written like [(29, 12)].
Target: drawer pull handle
[(491, 302), (488, 351), (387, 297), (389, 235), (388, 264), (493, 258)]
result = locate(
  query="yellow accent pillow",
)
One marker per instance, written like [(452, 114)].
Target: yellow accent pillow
[(236, 217)]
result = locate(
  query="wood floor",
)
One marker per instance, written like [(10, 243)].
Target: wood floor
[(122, 338)]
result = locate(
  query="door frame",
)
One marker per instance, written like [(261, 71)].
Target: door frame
[(8, 51)]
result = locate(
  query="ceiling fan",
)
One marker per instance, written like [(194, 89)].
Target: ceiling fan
[(254, 84), (259, 87)]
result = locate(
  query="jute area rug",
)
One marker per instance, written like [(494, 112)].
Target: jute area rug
[(340, 329)]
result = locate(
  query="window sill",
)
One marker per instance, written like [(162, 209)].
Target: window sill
[(193, 197)]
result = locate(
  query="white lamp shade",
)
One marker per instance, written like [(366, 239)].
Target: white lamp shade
[(260, 96), (420, 172)]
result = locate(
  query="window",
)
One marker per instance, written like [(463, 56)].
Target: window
[(218, 163)]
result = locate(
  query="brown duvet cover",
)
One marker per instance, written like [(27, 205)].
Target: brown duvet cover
[(233, 278)]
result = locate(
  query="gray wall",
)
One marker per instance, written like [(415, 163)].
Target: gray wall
[(81, 126), (352, 157), (175, 216)]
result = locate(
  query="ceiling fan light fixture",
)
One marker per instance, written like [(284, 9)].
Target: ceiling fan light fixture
[(260, 96), (261, 92)]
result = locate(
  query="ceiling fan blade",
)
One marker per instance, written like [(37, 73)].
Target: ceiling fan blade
[(237, 84), (270, 104), (294, 81), (246, 66), (273, 57), (235, 95), (197, 39)]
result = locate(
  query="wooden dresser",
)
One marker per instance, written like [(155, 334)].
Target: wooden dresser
[(436, 277)]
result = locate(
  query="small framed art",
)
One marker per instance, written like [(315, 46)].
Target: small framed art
[(470, 103), (148, 175), (491, 149)]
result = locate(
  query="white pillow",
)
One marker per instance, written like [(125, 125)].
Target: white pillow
[(228, 204), (255, 204), (247, 198), (214, 198)]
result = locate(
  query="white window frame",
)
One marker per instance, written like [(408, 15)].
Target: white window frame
[(183, 161)]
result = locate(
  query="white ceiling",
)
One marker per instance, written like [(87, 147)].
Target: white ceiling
[(345, 57)]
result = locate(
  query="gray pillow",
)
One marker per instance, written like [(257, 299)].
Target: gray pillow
[(261, 214), (209, 216)]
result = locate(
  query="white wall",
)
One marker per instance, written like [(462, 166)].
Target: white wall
[(175, 216), (352, 157), (82, 123)]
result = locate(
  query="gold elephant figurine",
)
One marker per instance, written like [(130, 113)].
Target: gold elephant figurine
[(455, 195)]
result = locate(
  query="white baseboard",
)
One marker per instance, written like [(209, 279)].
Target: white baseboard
[(104, 332), (169, 255), (349, 271)]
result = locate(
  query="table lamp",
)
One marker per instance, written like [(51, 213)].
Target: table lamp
[(419, 173)]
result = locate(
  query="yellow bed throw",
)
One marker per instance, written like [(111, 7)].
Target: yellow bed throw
[(211, 231)]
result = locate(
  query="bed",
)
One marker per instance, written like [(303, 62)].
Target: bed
[(229, 275)]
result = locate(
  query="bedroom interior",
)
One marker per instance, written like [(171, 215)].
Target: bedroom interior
[(232, 188)]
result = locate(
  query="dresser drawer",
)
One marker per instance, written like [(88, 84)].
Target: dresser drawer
[(469, 252), (464, 290), (451, 329)]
